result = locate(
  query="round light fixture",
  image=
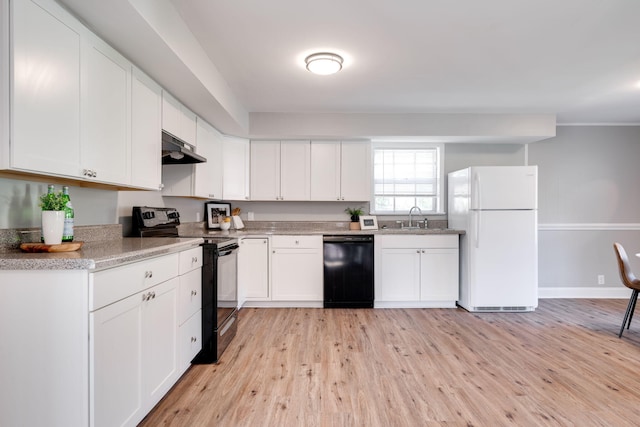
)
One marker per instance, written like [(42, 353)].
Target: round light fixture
[(324, 63)]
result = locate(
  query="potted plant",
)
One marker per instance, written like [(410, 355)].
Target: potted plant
[(354, 213), (355, 217), (52, 205)]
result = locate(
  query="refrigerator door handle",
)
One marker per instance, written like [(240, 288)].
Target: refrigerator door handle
[(476, 180), (478, 213)]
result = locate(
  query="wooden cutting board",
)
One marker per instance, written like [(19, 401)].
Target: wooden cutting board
[(41, 247)]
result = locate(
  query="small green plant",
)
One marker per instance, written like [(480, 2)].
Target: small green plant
[(354, 213), (52, 201)]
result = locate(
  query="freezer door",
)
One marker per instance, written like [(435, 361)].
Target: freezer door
[(503, 259), (504, 187)]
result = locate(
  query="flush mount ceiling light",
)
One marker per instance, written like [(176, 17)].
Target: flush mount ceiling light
[(324, 63)]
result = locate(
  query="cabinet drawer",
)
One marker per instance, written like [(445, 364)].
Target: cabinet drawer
[(190, 297), (189, 341), (296, 242), (108, 286), (418, 241), (190, 260)]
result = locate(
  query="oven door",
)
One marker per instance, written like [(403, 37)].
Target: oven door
[(227, 299)]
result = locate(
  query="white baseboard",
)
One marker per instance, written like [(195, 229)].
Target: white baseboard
[(618, 292)]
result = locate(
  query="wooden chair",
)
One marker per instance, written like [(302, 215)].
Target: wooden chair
[(630, 281)]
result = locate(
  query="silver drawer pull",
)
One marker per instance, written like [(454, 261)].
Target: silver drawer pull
[(148, 274), (194, 293), (194, 339), (194, 259)]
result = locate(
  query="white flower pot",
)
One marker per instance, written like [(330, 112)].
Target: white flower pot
[(52, 227)]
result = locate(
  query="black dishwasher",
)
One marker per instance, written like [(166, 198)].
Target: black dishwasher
[(348, 271)]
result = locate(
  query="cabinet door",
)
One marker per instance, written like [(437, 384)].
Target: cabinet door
[(297, 274), (295, 173), (105, 95), (439, 275), (208, 175), (325, 170), (146, 125), (46, 92), (355, 171), (116, 369), (188, 126), (400, 275), (235, 168), (253, 269), (189, 341), (159, 340), (171, 114), (190, 295), (265, 170)]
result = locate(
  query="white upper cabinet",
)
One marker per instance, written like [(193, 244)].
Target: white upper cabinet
[(295, 170), (177, 119), (208, 176), (355, 171), (46, 90), (146, 145), (340, 171), (235, 168), (280, 170), (325, 170), (105, 87), (77, 110), (202, 180), (265, 170)]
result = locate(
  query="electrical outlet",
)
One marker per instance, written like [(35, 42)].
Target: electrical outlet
[(250, 216), (600, 279)]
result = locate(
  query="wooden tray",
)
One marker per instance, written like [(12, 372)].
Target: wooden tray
[(41, 247)]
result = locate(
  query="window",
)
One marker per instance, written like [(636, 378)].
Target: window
[(407, 176)]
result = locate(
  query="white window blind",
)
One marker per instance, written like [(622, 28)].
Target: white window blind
[(407, 177)]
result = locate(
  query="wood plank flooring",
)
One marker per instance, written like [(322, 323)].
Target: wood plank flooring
[(562, 365)]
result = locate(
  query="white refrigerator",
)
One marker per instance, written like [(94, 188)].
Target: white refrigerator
[(497, 206)]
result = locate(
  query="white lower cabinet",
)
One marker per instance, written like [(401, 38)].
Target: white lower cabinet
[(116, 370), (134, 355), (189, 307), (140, 343), (253, 269), (416, 271), (296, 268)]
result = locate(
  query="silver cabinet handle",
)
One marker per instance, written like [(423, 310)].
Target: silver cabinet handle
[(194, 339), (194, 259), (148, 296), (194, 293), (148, 274)]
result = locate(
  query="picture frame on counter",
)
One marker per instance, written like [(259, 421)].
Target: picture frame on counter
[(214, 212), (368, 222)]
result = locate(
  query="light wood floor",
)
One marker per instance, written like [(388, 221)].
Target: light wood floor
[(560, 365)]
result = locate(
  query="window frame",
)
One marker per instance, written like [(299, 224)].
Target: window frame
[(440, 197)]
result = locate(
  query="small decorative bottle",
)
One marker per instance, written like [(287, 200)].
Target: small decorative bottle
[(67, 234)]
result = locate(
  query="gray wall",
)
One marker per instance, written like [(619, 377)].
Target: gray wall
[(588, 199)]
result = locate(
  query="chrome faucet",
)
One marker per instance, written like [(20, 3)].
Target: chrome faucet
[(411, 215)]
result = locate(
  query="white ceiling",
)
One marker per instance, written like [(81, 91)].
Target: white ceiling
[(578, 59)]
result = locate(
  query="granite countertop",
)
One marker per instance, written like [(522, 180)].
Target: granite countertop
[(268, 228), (103, 247)]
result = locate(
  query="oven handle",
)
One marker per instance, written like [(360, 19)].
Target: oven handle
[(228, 250)]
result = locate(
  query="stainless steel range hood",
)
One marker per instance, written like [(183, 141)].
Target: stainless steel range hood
[(177, 152)]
